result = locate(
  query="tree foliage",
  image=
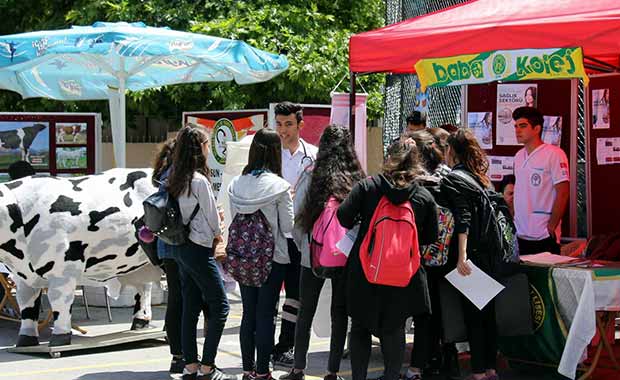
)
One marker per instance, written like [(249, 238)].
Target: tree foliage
[(313, 34)]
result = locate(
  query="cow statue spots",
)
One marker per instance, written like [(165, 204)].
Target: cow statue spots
[(57, 233)]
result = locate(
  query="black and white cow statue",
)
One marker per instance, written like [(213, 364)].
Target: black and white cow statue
[(20, 138), (56, 233)]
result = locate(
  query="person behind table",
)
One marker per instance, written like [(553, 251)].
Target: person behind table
[(297, 154), (541, 186), (335, 172), (201, 280), (261, 188), (162, 165), (416, 121), (507, 188), (461, 189), (376, 309)]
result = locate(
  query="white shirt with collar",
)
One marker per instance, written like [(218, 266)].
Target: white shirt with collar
[(294, 164), (536, 175)]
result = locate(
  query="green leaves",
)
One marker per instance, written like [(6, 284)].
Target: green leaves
[(313, 34)]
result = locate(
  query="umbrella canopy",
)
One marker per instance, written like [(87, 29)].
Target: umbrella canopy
[(104, 60), (486, 25)]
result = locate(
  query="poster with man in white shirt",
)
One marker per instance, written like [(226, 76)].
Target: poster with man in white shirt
[(542, 185), (297, 155)]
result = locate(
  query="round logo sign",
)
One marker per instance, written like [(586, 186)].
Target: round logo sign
[(499, 64), (223, 131), (538, 308), (535, 179)]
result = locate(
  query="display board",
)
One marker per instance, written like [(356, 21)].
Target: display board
[(551, 97), (64, 144), (603, 135)]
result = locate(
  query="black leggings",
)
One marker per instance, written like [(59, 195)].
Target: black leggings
[(174, 309), (392, 347)]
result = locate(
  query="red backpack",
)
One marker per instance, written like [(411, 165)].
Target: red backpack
[(389, 252)]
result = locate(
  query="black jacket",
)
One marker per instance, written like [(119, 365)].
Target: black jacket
[(466, 203), (377, 307)]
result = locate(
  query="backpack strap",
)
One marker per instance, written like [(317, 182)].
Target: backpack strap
[(469, 179)]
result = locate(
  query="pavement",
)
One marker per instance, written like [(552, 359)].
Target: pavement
[(150, 360)]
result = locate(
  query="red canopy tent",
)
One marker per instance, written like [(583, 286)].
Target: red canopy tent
[(485, 25)]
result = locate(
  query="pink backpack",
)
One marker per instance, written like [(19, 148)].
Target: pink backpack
[(389, 253), (326, 259)]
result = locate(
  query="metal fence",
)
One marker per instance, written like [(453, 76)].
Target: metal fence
[(444, 103)]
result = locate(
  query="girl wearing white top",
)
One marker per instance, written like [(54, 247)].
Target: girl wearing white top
[(200, 278)]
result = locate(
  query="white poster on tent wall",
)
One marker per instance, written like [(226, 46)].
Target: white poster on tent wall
[(481, 123), (600, 108), (552, 130), (510, 97), (340, 115)]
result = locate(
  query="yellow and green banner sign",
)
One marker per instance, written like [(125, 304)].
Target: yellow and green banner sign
[(505, 65)]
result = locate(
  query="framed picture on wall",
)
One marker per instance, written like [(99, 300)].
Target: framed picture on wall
[(24, 140), (71, 158), (71, 133)]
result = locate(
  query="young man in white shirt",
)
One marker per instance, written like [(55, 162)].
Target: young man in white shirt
[(542, 186), (296, 156)]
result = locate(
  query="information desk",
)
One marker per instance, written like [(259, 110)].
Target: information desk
[(569, 305)]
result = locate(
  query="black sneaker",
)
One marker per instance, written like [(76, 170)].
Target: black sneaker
[(284, 359), (249, 376), (188, 376), (177, 365), (215, 374), (331, 376), (293, 375)]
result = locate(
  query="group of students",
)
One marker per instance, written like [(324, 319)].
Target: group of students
[(291, 183)]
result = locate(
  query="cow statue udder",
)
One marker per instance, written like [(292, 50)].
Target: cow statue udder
[(57, 233)]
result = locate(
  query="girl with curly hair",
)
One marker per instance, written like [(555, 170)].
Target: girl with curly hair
[(469, 166), (335, 171)]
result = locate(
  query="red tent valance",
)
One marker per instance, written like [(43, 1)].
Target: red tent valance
[(485, 25)]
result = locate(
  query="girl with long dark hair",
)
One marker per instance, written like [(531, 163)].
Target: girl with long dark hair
[(470, 166), (162, 166), (381, 310), (261, 188), (200, 278), (335, 171)]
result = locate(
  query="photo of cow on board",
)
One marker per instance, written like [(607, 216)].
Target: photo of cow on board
[(24, 140), (71, 133)]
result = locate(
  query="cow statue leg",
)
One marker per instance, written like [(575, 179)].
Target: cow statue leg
[(30, 306), (61, 294), (142, 309)]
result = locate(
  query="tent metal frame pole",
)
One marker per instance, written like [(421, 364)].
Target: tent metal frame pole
[(352, 107), (602, 63)]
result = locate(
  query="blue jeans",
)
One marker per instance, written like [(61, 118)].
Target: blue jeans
[(201, 284), (257, 328)]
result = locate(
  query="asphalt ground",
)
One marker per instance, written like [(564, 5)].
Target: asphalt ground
[(150, 360)]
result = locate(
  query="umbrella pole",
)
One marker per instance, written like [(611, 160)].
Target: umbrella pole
[(122, 144)]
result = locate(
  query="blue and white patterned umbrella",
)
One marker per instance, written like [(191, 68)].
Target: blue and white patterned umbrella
[(104, 60)]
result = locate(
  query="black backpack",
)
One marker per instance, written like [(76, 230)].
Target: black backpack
[(497, 230), (162, 216)]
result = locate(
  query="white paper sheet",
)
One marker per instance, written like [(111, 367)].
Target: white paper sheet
[(547, 258), (608, 150), (346, 243), (478, 287)]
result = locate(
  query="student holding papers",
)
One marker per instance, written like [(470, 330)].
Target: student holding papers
[(469, 163)]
